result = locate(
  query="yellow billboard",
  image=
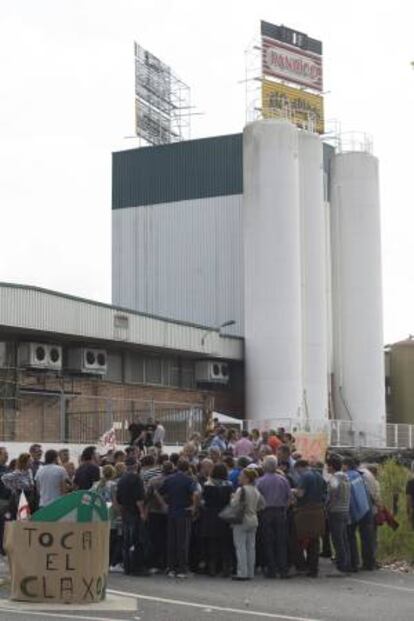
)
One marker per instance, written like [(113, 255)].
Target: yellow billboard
[(303, 109)]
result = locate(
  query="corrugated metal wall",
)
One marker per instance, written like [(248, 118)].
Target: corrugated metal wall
[(181, 260), (175, 172)]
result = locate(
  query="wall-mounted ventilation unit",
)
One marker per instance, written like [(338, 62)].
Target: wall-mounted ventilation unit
[(40, 356), (88, 360), (211, 371)]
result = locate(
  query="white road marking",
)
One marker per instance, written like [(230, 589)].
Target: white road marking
[(382, 585), (39, 613), (239, 611)]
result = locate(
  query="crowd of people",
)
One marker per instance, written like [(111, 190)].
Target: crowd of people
[(233, 503)]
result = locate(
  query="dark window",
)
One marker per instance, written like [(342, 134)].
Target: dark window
[(153, 370)]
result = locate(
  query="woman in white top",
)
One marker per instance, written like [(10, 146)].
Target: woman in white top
[(244, 534)]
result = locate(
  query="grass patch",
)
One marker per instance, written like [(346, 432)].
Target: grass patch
[(398, 544)]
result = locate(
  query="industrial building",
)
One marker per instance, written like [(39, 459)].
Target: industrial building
[(70, 369), (246, 275), (280, 233), (399, 365)]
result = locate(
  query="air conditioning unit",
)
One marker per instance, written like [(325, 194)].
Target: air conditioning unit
[(40, 356), (88, 360), (212, 372)]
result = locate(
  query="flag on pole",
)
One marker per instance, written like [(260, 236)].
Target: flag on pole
[(23, 510)]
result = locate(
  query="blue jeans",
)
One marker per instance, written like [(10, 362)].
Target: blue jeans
[(338, 526), (366, 533)]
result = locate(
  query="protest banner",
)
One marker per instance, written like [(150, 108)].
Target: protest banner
[(312, 446), (64, 562)]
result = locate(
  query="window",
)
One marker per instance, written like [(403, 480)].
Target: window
[(171, 372), (114, 372), (153, 370), (188, 373), (134, 368)]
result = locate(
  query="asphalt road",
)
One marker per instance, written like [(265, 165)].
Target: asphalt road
[(367, 596)]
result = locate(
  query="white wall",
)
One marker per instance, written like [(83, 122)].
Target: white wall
[(181, 260)]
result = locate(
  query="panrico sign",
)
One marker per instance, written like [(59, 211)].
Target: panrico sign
[(292, 64)]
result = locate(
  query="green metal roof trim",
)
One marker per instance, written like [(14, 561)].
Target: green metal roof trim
[(182, 171), (121, 309), (176, 172)]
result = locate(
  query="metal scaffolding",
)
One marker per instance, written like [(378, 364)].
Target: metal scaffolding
[(162, 101)]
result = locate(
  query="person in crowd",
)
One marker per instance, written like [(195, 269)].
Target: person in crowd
[(159, 434), (309, 516), (88, 472), (361, 518), (274, 441), (130, 496), (409, 495), (244, 534), (21, 480), (215, 454), (205, 470), (119, 457), (179, 492), (216, 533), (229, 462), (219, 440), (149, 433), (190, 452), (156, 509), (115, 551), (370, 474), (244, 447), (104, 487), (234, 474), (276, 492), (231, 440), (70, 471), (4, 495), (137, 434), (149, 468), (337, 508), (36, 453), (64, 456), (51, 479)]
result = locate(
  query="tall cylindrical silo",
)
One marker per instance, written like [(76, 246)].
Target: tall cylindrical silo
[(272, 286), (359, 394), (314, 278)]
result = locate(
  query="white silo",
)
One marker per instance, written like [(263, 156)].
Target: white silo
[(314, 278), (357, 296), (272, 286)]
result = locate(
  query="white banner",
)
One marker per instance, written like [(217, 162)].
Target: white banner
[(292, 64)]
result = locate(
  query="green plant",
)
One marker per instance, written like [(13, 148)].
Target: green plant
[(398, 544)]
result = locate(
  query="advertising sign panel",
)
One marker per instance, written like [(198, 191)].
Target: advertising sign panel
[(302, 108), (291, 63)]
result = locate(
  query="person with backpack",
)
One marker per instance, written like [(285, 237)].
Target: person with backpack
[(361, 519)]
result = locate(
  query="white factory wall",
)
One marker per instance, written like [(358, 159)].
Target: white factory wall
[(272, 252), (181, 260), (357, 297), (314, 277)]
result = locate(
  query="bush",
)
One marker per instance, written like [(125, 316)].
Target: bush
[(398, 544)]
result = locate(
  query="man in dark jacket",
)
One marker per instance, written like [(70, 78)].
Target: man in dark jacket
[(309, 515), (130, 496), (180, 493)]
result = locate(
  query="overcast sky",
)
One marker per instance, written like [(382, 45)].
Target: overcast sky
[(66, 102)]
